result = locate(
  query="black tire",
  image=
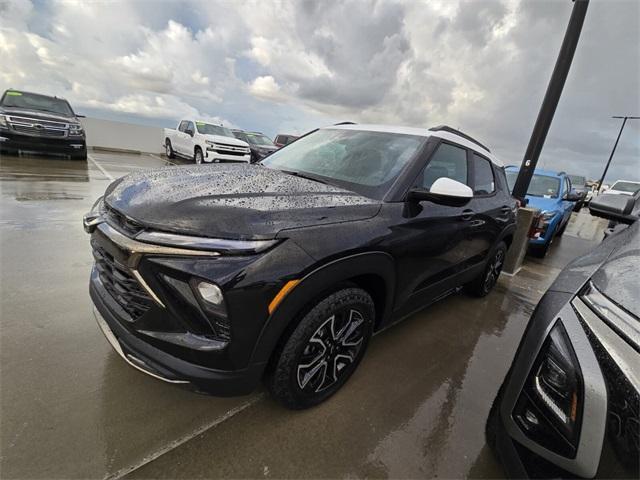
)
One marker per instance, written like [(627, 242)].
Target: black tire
[(335, 332), (564, 227), (198, 157), (484, 283), (540, 251), (79, 156), (169, 149)]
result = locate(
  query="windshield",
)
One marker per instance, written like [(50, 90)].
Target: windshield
[(577, 181), (33, 101), (258, 139), (629, 187), (209, 129), (361, 161), (540, 186)]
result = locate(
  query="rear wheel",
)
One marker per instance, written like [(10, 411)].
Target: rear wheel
[(198, 156), (169, 149), (485, 282), (324, 350)]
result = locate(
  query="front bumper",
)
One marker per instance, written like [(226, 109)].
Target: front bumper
[(212, 155), (10, 141), (162, 365)]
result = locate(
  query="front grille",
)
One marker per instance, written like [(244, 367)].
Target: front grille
[(230, 149), (36, 121), (39, 131), (119, 283), (229, 152), (122, 222)]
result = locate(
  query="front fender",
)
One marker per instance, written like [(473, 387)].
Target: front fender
[(316, 285)]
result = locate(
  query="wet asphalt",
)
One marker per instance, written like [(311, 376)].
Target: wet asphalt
[(71, 408)]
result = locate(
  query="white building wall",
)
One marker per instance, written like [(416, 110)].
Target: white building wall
[(122, 136)]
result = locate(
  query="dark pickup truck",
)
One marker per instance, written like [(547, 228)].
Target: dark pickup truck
[(31, 122)]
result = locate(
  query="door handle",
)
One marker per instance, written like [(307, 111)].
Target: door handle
[(467, 214)]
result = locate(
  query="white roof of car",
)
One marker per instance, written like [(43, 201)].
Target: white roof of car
[(422, 132)]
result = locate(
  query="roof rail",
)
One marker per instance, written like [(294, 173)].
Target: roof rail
[(446, 128), (344, 123)]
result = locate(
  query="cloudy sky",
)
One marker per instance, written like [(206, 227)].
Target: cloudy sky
[(289, 66)]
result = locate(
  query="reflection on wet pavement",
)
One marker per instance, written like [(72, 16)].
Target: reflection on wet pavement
[(70, 407)]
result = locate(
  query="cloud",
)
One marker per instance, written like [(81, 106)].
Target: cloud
[(291, 65)]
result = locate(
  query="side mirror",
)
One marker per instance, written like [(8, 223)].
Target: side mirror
[(614, 207), (444, 191), (574, 196), (189, 132)]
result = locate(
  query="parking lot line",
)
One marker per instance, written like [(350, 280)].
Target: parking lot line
[(104, 172), (184, 439), (163, 159)]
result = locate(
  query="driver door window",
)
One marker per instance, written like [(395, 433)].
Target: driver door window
[(448, 161)]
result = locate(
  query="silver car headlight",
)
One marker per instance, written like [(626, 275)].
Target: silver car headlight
[(3, 121)]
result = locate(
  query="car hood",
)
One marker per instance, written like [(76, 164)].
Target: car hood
[(542, 203), (613, 267), (618, 278), (226, 140), (38, 114), (232, 201)]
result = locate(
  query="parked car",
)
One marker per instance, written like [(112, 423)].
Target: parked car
[(205, 142), (551, 193), (282, 140), (570, 403), (260, 144), (32, 122), (284, 269), (624, 187), (579, 184)]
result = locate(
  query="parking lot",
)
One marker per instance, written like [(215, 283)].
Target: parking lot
[(72, 408)]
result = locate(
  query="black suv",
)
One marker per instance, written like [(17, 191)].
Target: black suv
[(259, 143), (284, 269), (40, 123)]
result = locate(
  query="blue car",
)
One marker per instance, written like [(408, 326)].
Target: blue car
[(551, 193)]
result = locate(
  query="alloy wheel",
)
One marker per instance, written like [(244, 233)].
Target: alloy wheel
[(198, 157), (332, 348), (494, 269)]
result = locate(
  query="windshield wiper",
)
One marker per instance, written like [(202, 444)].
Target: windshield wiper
[(304, 175)]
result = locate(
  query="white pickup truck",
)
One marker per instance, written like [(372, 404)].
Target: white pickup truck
[(204, 142)]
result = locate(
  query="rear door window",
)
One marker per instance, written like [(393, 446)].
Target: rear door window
[(484, 182)]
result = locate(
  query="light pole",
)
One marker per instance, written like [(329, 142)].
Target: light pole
[(624, 122), (551, 98)]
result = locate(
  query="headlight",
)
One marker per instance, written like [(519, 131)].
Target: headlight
[(547, 215), (75, 129), (549, 408), (204, 243), (3, 121), (210, 143)]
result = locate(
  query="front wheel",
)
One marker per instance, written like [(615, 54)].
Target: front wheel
[(324, 349), (169, 149), (484, 283), (198, 156)]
